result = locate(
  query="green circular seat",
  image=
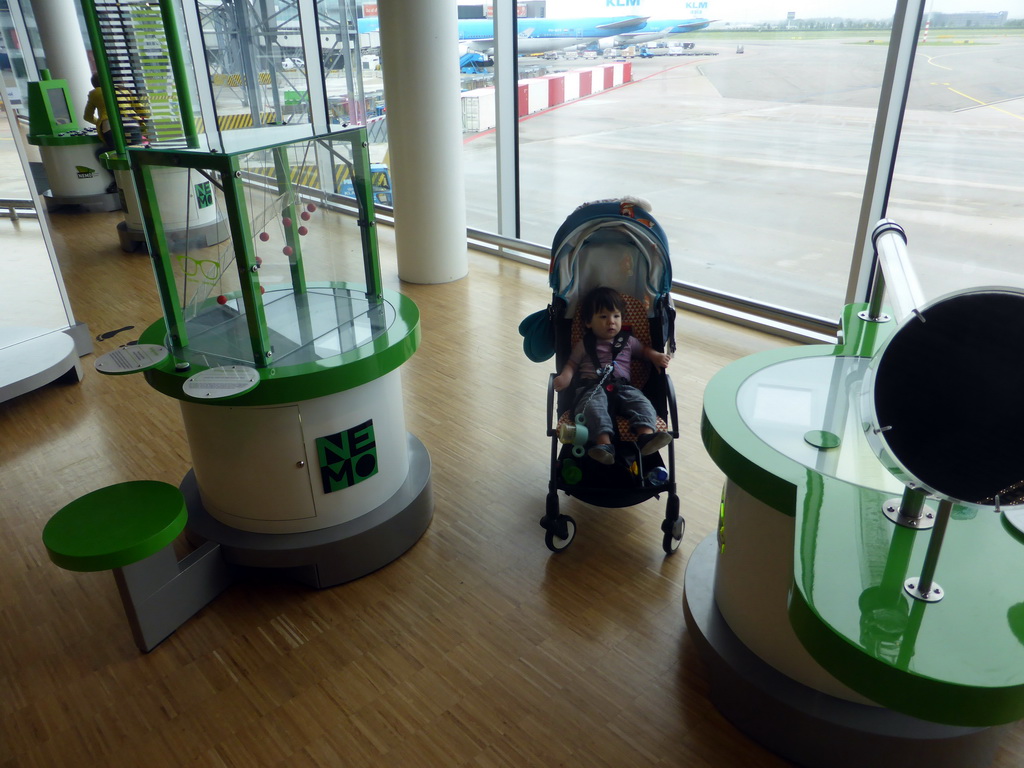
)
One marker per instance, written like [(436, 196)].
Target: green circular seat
[(115, 526)]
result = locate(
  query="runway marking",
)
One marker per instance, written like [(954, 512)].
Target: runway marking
[(931, 60), (980, 103)]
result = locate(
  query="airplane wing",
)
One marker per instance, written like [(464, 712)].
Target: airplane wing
[(693, 26), (646, 33), (629, 23)]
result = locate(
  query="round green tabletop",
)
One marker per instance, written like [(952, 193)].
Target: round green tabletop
[(115, 526)]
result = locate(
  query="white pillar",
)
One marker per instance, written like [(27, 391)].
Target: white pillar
[(419, 45), (64, 48)]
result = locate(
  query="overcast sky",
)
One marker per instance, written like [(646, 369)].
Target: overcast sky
[(756, 10)]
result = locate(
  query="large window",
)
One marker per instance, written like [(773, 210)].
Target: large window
[(753, 146), (958, 187)]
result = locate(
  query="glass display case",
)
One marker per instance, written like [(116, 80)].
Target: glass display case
[(252, 185), (296, 282)]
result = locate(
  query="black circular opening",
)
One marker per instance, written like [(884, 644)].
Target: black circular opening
[(949, 385)]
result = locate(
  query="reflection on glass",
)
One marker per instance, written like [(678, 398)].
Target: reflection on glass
[(957, 188), (753, 146), (754, 162), (31, 294)]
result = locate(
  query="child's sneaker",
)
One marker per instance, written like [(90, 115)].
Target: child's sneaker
[(603, 454), (653, 443)]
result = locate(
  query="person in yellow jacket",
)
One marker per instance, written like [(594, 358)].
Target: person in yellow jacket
[(133, 115), (132, 119)]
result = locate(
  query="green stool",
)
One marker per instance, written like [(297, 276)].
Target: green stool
[(130, 528)]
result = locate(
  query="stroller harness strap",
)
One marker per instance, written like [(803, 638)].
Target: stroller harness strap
[(618, 343), (605, 379)]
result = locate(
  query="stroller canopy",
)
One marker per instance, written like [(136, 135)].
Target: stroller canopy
[(614, 243)]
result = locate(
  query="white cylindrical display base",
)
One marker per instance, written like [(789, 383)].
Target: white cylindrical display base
[(73, 170), (300, 466), (752, 583), (173, 186), (425, 138)]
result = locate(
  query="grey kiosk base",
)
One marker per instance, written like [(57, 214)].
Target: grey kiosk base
[(806, 726), (130, 529)]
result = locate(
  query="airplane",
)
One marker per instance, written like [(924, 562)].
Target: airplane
[(537, 35)]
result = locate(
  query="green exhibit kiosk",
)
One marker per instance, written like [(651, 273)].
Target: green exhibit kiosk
[(862, 602), (69, 153), (280, 343)]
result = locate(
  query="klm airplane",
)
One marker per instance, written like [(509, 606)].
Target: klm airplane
[(542, 35), (538, 35)]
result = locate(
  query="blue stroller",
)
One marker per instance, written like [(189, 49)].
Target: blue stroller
[(617, 244)]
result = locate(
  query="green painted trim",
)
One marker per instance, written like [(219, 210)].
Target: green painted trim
[(862, 338), (176, 48), (116, 162), (362, 186), (92, 26), (936, 700), (156, 239), (296, 383), (282, 169), (115, 526), (245, 262)]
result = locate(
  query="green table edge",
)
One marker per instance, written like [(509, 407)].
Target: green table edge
[(298, 383)]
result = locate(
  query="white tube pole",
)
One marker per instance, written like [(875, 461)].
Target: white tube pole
[(419, 45), (64, 48)]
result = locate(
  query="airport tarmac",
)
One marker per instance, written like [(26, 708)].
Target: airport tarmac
[(755, 164)]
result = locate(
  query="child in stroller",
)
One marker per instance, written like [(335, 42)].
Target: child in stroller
[(615, 244), (600, 361)]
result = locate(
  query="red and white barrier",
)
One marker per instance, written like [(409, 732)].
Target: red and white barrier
[(539, 93)]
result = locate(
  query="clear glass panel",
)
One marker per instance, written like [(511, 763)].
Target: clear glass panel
[(308, 260), (480, 153), (751, 147), (957, 187), (256, 64), (30, 291), (271, 66)]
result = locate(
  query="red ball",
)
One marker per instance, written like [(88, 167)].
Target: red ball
[(259, 260), (304, 216), (287, 250), (310, 207), (286, 221), (222, 299), (262, 290), (264, 236), (303, 230)]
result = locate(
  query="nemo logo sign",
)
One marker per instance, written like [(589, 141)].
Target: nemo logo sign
[(348, 457)]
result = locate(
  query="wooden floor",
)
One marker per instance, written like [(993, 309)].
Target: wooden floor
[(478, 647)]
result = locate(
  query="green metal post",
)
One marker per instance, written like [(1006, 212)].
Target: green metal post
[(175, 48), (245, 258), (362, 186), (99, 51), (160, 253), (282, 169)]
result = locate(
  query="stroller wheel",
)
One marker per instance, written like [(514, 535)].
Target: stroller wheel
[(560, 533), (672, 526)]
